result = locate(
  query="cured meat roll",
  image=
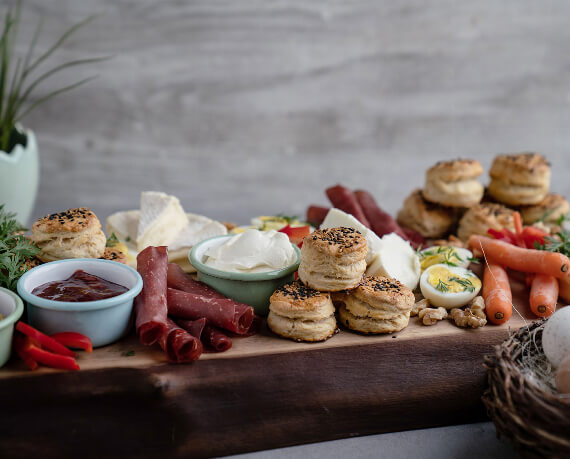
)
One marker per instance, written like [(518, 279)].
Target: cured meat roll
[(381, 222), (194, 327), (344, 199), (179, 345), (317, 214), (215, 339), (179, 280), (221, 312), (150, 305)]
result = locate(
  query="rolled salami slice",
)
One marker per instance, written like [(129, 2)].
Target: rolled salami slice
[(179, 280), (150, 305), (344, 199), (382, 222), (194, 327), (222, 312), (179, 345), (317, 214), (215, 339)]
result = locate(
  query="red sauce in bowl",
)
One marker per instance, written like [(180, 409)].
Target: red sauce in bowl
[(80, 286)]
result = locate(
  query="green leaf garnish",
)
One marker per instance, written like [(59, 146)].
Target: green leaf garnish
[(465, 283), (112, 240), (442, 286)]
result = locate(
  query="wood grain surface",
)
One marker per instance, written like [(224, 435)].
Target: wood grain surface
[(265, 392)]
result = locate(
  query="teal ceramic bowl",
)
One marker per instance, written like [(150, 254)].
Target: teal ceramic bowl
[(11, 308), (104, 321), (249, 288)]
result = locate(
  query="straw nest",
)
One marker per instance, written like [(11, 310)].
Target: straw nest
[(522, 399)]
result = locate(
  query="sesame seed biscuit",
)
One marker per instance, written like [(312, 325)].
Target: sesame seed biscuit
[(114, 255), (549, 210), (74, 233), (429, 219), (520, 179), (368, 325), (481, 217), (454, 183), (301, 313), (333, 259)]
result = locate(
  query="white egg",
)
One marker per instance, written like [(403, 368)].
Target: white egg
[(556, 336), (449, 286), (447, 255)]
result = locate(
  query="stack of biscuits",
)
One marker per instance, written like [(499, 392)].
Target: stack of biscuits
[(453, 196), (331, 272), (450, 187)]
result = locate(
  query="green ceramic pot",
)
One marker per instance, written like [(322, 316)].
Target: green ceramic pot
[(11, 309), (249, 288), (19, 177)]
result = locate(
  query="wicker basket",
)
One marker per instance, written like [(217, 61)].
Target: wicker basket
[(533, 416)]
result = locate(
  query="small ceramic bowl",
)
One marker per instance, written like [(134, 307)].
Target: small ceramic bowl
[(249, 288), (11, 309), (104, 321)]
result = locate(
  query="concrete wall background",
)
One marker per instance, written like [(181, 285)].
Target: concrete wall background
[(255, 107)]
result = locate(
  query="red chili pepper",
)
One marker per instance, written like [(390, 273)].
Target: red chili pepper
[(74, 340), (532, 235), (21, 343), (44, 340), (50, 359), (296, 233)]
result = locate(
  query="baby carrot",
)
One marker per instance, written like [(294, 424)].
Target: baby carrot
[(543, 295), (519, 259), (497, 294)]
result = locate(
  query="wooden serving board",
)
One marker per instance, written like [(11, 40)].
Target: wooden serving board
[(265, 392)]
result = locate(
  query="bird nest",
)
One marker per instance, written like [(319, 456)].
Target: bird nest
[(522, 399)]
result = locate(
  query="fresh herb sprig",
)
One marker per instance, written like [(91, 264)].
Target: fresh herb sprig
[(560, 243), (15, 250), (442, 286), (465, 283)]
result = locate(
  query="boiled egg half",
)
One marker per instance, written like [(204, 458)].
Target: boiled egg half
[(452, 256), (449, 286)]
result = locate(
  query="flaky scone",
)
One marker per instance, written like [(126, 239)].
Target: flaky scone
[(377, 305), (429, 219), (74, 233), (301, 313), (481, 217), (454, 183), (114, 255), (549, 210), (519, 180), (333, 259)]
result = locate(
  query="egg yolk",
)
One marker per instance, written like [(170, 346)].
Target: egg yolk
[(446, 280), (439, 255)]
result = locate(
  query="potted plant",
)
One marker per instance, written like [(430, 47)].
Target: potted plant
[(19, 78)]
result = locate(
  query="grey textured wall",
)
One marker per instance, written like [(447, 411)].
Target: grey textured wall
[(252, 107)]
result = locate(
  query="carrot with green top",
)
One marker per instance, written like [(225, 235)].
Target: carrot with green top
[(543, 295), (497, 294), (519, 259)]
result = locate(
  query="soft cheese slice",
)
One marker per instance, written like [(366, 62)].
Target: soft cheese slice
[(396, 259), (197, 229), (161, 219), (337, 217), (124, 225)]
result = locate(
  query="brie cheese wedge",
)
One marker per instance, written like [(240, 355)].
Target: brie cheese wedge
[(161, 219), (337, 217)]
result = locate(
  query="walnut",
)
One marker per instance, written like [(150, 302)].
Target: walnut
[(430, 316), (422, 304), (466, 319), (477, 307)]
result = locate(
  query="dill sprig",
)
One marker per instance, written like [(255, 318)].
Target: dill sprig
[(442, 286), (15, 250), (465, 283)]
